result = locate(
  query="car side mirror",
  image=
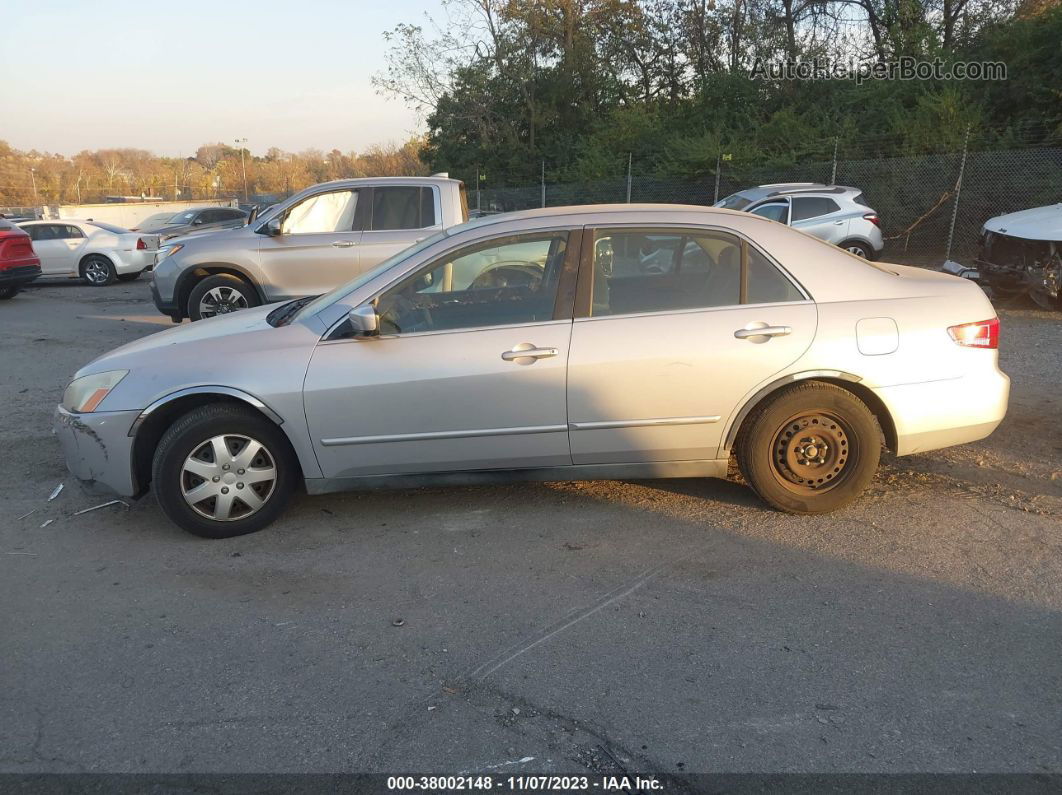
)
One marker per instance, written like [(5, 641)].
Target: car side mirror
[(197, 222), (364, 321), (273, 227)]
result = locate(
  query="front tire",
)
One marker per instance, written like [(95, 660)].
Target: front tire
[(222, 471), (8, 292), (98, 271), (810, 448), (220, 294)]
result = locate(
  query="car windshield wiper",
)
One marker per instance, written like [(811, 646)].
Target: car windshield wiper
[(283, 314)]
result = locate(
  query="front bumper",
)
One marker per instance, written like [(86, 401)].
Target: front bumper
[(165, 307), (18, 275), (98, 449)]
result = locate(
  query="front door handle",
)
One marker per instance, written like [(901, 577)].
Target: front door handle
[(526, 353), (343, 243), (761, 333)]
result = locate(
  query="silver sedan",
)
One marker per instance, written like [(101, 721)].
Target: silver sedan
[(630, 341)]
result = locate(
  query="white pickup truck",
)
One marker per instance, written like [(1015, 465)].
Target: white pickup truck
[(305, 245)]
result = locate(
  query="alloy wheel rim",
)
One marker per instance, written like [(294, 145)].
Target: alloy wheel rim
[(221, 301), (858, 251), (812, 452), (228, 477), (96, 271)]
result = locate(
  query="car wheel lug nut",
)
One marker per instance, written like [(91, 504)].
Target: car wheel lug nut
[(239, 471), (225, 466), (224, 490), (215, 478), (239, 485)]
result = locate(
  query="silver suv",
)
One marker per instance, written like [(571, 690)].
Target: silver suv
[(834, 213), (306, 245)]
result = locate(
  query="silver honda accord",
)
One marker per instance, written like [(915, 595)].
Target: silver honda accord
[(628, 341)]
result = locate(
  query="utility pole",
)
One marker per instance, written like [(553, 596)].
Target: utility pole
[(630, 161), (543, 183), (958, 192), (243, 167), (833, 174), (479, 204), (718, 167), (33, 177)]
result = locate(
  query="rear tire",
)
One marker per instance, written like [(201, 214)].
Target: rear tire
[(8, 292), (98, 271), (858, 248), (220, 294), (212, 442), (129, 277), (809, 448)]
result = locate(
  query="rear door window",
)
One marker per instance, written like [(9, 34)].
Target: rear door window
[(402, 207), (805, 207)]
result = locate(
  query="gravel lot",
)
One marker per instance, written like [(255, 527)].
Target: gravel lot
[(672, 626)]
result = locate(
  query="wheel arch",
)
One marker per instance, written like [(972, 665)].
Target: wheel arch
[(194, 274), (148, 428), (847, 381)]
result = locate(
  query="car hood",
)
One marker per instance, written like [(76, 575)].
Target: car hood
[(1039, 223), (248, 320)]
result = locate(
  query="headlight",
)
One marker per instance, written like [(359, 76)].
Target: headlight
[(166, 251), (85, 394)]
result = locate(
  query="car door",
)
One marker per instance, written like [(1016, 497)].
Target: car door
[(665, 344), (819, 216), (467, 373), (317, 248), (57, 245), (401, 215)]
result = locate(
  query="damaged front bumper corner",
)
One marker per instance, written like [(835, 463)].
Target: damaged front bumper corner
[(1012, 266), (98, 449)]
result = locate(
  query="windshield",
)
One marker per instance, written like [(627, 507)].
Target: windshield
[(344, 290), (735, 201), (117, 230), (184, 218)]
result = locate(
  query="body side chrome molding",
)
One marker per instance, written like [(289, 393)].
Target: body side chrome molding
[(206, 389), (600, 426), (432, 435)]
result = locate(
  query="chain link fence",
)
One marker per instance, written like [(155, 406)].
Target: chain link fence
[(914, 195)]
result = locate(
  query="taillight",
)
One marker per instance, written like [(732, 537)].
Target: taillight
[(873, 218), (140, 244), (982, 334)]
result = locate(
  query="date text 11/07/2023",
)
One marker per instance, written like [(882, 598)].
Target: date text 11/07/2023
[(528, 783)]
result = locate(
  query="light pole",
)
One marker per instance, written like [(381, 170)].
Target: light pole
[(33, 177), (243, 167)]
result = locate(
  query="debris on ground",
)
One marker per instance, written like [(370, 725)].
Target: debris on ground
[(55, 492), (103, 505), (398, 622), (25, 515), (47, 522)]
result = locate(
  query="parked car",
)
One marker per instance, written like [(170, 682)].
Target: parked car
[(95, 251), (1022, 253), (614, 341), (305, 245), (834, 213), (195, 219), (19, 265)]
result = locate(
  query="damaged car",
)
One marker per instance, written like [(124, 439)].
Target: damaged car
[(1022, 253)]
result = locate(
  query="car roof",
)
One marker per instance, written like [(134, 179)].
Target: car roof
[(793, 188), (356, 181), (590, 214)]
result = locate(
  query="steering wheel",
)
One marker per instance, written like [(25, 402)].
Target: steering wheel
[(509, 273)]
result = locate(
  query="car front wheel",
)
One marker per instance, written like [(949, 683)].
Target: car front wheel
[(222, 471), (809, 448), (219, 295)]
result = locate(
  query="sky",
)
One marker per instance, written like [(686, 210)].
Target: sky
[(169, 76)]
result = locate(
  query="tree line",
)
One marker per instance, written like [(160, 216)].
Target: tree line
[(575, 87), (35, 178)]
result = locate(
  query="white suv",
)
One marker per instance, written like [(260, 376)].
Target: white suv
[(834, 213)]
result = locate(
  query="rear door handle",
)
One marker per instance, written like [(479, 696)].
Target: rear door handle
[(762, 331), (343, 243), (526, 353)]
